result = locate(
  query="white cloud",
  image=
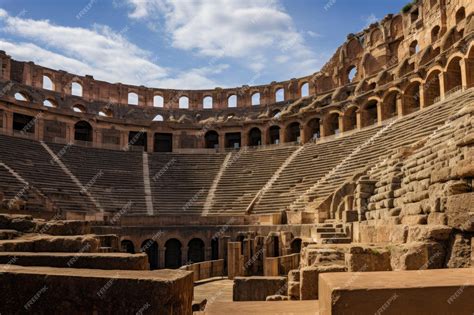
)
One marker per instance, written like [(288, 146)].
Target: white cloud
[(99, 51), (253, 32)]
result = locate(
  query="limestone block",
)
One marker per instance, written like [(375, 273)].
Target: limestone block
[(310, 279), (65, 227), (428, 232), (460, 211), (417, 256), (399, 234), (459, 251), (258, 288), (294, 290), (437, 218), (441, 175), (414, 219), (368, 258)]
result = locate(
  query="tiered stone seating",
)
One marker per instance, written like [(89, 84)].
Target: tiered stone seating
[(29, 159), (245, 174), (312, 163), (114, 178), (180, 182), (402, 132)]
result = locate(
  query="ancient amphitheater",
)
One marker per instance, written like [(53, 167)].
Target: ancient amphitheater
[(353, 194)]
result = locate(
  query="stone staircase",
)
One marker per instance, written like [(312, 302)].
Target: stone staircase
[(330, 232)]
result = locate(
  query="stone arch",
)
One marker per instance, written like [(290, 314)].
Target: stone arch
[(376, 37), (207, 102), (279, 94), (22, 96), (255, 137), (312, 129), (76, 89), (173, 253), (158, 118), (368, 112), (150, 247), (106, 112), (274, 134), (232, 101), (158, 101), (371, 64), (183, 102), (50, 103), (127, 246), (256, 99), (296, 246), (411, 98), (331, 123), (304, 89), (435, 32), (211, 139), (414, 48), (350, 118), (396, 26), (470, 66), (389, 104), (453, 75), (460, 15), (48, 83), (351, 73), (196, 250), (132, 98), (83, 131), (78, 108), (432, 87), (292, 132)]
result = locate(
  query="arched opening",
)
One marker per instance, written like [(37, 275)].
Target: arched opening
[(184, 102), (233, 140), (150, 247), (304, 89), (76, 89), (369, 114), (207, 102), (83, 131), (411, 98), (232, 101), (172, 254), (132, 98), (127, 247), (49, 103), (296, 246), (276, 114), (293, 132), (23, 123), (158, 101), (21, 97), (414, 15), (137, 139), (212, 139), (389, 105), (414, 48), (432, 88), (460, 15), (274, 135), (279, 95), (255, 137), (158, 118), (274, 246), (435, 34), (105, 113), (163, 142), (195, 251), (351, 73), (331, 124), (215, 249), (453, 79), (78, 109), (312, 130), (255, 99), (48, 83), (350, 118)]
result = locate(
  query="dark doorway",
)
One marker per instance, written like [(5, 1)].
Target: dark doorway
[(255, 137), (173, 254), (127, 246), (23, 123), (163, 142), (195, 250), (83, 131), (215, 249), (137, 139), (150, 247), (232, 140), (212, 139), (274, 134)]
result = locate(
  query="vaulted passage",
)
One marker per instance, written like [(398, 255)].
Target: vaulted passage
[(233, 140), (150, 247), (212, 139), (312, 130), (453, 79), (173, 254), (350, 119), (411, 98), (369, 114), (274, 135), (83, 131), (195, 250), (127, 246), (255, 137), (432, 88), (331, 124), (293, 132), (389, 106)]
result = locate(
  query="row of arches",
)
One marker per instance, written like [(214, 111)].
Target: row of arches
[(173, 252)]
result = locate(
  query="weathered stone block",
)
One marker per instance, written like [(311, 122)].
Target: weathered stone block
[(368, 258), (417, 256), (414, 219), (428, 232), (310, 279), (459, 251), (460, 211), (437, 218), (258, 288)]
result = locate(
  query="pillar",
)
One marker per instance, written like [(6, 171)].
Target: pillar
[(399, 105), (265, 138), (123, 139), (39, 129), (359, 119), (149, 141), (466, 65), (322, 131), (340, 120), (234, 260), (7, 122), (421, 93), (97, 138), (442, 85), (70, 132), (244, 138), (208, 253), (184, 255), (379, 113), (302, 134), (222, 141), (282, 135), (161, 257), (222, 245)]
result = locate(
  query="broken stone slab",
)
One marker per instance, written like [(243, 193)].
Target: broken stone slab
[(46, 243), (309, 279), (258, 288), (368, 258), (460, 211), (459, 251), (418, 256), (428, 232)]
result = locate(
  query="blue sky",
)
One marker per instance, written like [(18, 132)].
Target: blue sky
[(184, 43)]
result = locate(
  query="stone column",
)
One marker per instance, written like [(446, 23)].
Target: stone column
[(161, 258), (421, 93), (223, 247), (149, 141), (8, 123), (39, 129), (265, 137), (70, 132), (234, 260), (123, 139), (302, 134), (222, 140), (282, 135), (442, 85), (379, 114), (208, 253), (399, 104), (359, 119), (184, 255), (322, 130), (467, 80), (97, 138), (340, 120)]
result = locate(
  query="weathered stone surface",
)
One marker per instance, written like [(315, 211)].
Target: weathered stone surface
[(9, 234), (368, 258), (460, 211), (88, 291), (417, 256), (65, 227), (309, 279), (399, 234), (437, 218), (258, 288), (415, 219), (43, 243), (294, 290), (294, 275), (428, 232), (459, 251), (402, 292)]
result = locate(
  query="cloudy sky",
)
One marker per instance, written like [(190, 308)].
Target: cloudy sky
[(184, 43)]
